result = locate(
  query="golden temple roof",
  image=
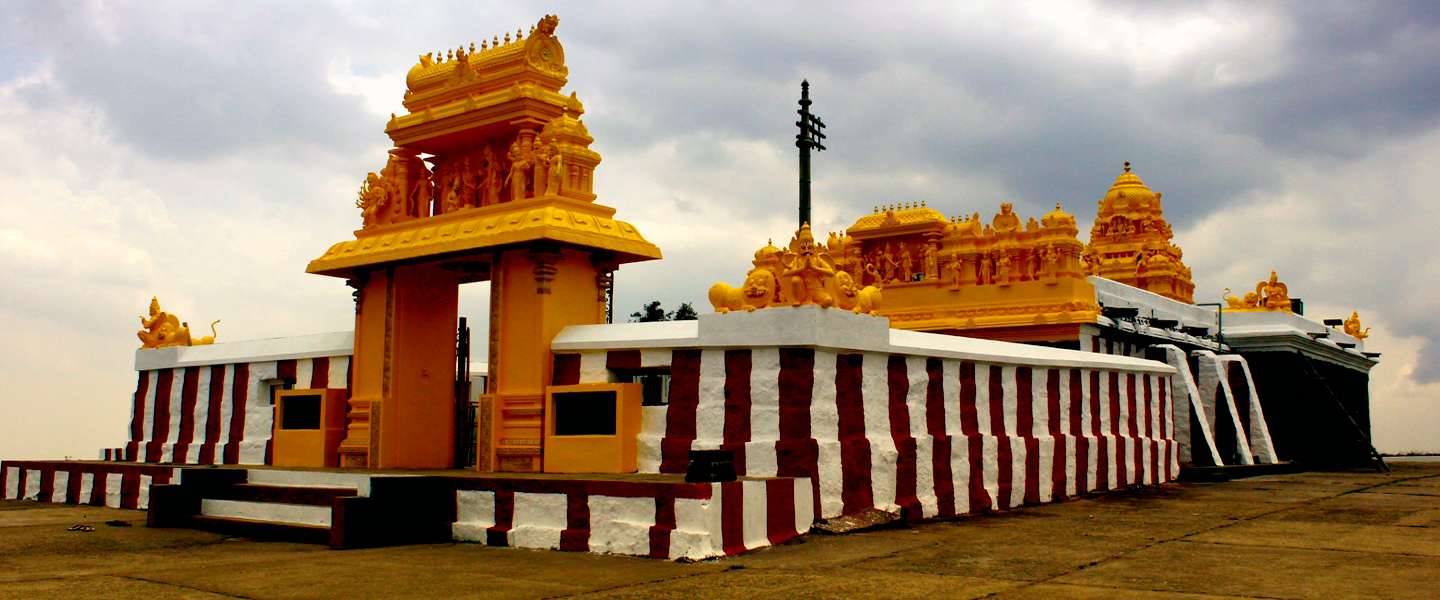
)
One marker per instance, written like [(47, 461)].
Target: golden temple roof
[(898, 215), (538, 59), (1129, 193)]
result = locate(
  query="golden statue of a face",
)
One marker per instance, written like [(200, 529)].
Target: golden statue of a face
[(759, 285)]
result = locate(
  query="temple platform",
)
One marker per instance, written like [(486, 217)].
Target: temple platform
[(658, 516)]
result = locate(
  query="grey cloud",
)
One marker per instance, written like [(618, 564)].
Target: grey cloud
[(184, 81)]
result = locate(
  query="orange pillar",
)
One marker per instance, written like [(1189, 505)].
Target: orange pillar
[(535, 292), (402, 395)]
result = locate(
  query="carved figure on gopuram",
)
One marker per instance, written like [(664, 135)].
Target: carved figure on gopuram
[(1006, 219), (537, 165), (1050, 258), (489, 177), (162, 329), (383, 200), (467, 184), (907, 264), (872, 274), (453, 194), (373, 200), (555, 170), (519, 156), (890, 264), (1002, 269)]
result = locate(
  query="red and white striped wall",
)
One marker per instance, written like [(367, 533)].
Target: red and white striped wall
[(930, 436), (217, 413), (117, 485), (658, 520)]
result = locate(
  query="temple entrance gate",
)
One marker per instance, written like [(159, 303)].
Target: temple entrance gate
[(491, 180)]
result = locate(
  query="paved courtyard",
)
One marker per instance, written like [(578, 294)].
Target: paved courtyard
[(1306, 535)]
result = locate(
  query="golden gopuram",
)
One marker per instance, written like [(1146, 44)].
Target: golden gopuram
[(491, 179), (1130, 242)]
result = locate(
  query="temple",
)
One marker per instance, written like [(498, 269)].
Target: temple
[(914, 366)]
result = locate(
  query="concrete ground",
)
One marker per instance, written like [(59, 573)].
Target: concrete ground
[(1307, 535)]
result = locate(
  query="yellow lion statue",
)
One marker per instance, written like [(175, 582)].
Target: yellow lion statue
[(757, 292)]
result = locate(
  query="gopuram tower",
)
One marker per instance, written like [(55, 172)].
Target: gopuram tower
[(1130, 242), (491, 179)]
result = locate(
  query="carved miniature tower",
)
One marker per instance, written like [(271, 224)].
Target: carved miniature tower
[(1130, 242), (491, 180)]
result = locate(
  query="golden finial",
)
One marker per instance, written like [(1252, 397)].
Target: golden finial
[(507, 37), (450, 55), (495, 43), (1057, 206), (922, 204), (1127, 166), (517, 34), (484, 44), (472, 47)]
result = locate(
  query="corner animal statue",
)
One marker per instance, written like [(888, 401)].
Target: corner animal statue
[(162, 330), (757, 292), (806, 275), (1352, 327)]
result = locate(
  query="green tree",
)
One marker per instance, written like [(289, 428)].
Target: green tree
[(654, 311), (686, 312)]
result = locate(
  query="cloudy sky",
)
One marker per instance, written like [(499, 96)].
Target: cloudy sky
[(204, 152)]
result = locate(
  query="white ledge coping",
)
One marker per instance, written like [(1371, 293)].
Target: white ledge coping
[(1114, 293), (337, 343), (1168, 335), (812, 326)]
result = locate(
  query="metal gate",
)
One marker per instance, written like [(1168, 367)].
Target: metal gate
[(465, 409)]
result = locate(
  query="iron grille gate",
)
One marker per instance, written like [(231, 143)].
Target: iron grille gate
[(465, 408)]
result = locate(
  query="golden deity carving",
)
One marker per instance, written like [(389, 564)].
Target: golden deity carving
[(803, 273), (1130, 242), (162, 330), (1269, 295), (1352, 327)]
